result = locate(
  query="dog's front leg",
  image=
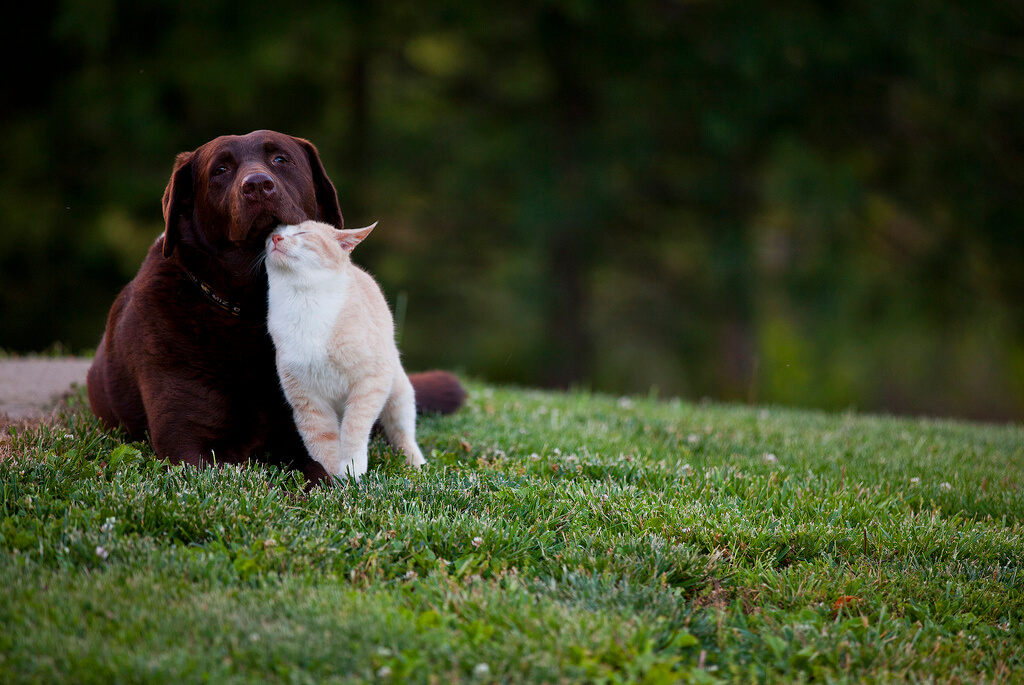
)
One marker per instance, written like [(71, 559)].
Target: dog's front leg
[(186, 423), (179, 449)]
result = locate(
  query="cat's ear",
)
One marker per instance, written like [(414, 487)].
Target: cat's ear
[(178, 201), (350, 237)]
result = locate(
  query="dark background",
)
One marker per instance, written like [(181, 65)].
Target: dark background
[(816, 204)]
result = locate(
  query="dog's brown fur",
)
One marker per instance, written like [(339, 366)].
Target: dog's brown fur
[(198, 379)]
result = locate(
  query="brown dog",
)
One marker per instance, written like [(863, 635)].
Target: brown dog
[(186, 355)]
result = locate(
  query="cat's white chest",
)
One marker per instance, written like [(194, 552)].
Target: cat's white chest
[(300, 321)]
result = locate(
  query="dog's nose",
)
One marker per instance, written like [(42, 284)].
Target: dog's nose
[(257, 186)]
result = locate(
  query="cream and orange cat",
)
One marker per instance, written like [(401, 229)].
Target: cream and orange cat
[(336, 352)]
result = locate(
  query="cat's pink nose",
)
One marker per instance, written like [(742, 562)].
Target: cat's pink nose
[(277, 237)]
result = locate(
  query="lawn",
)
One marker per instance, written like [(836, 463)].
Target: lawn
[(554, 537)]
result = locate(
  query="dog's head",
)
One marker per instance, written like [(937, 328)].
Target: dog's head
[(234, 190)]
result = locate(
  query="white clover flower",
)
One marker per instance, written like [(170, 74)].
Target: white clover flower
[(411, 575), (534, 457), (384, 672), (915, 480), (946, 486), (686, 469), (693, 438), (108, 525), (771, 458), (101, 552), (477, 541), (481, 671), (604, 498), (625, 403)]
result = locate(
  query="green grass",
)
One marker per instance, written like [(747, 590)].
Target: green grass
[(554, 537)]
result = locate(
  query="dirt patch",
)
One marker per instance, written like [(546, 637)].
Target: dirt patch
[(9, 428), (32, 391), (31, 387)]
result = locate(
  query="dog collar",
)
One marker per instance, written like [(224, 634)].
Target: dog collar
[(230, 307)]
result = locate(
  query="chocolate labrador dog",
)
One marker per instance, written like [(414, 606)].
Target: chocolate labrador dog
[(186, 356)]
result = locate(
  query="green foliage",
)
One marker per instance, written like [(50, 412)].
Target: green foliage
[(798, 203), (553, 537)]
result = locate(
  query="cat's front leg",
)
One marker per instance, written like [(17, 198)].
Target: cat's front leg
[(362, 407), (318, 426), (317, 423)]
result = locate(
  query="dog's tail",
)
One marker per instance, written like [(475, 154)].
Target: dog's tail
[(437, 392)]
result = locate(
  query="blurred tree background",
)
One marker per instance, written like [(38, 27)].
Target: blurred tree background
[(809, 203)]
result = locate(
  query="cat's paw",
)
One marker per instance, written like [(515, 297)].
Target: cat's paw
[(414, 457), (349, 471)]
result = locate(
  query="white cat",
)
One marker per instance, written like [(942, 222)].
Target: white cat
[(336, 353)]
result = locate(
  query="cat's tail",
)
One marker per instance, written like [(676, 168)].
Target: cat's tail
[(437, 392)]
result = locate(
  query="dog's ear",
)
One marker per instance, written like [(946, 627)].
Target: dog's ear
[(328, 209), (179, 200)]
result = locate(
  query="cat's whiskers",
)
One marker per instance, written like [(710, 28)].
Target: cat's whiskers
[(254, 268)]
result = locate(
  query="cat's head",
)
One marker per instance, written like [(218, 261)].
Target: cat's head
[(312, 245)]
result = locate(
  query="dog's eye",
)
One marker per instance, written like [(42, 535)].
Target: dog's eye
[(217, 171), (280, 159)]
